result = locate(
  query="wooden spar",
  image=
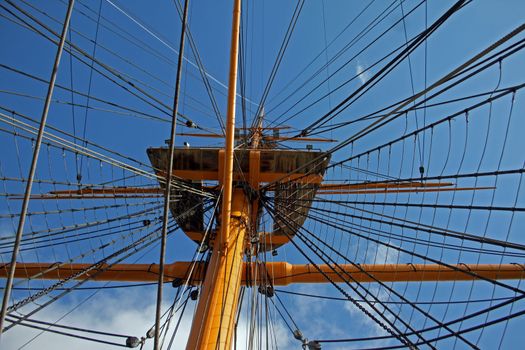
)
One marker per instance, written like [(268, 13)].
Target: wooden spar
[(385, 185), (212, 326), (230, 124), (412, 190), (113, 192), (280, 273), (267, 138)]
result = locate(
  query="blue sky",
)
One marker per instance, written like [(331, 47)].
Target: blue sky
[(140, 39)]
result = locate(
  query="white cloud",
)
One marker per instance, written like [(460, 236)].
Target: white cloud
[(124, 312), (386, 255), (278, 331), (367, 326), (363, 75)]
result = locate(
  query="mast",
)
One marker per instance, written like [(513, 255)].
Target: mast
[(212, 326)]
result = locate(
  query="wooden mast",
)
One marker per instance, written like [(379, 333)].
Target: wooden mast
[(213, 323), (212, 326)]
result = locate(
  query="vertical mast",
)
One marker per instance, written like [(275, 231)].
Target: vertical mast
[(230, 125), (214, 320)]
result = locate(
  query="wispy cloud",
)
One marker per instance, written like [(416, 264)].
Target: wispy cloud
[(386, 255), (363, 74), (367, 326), (123, 312)]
